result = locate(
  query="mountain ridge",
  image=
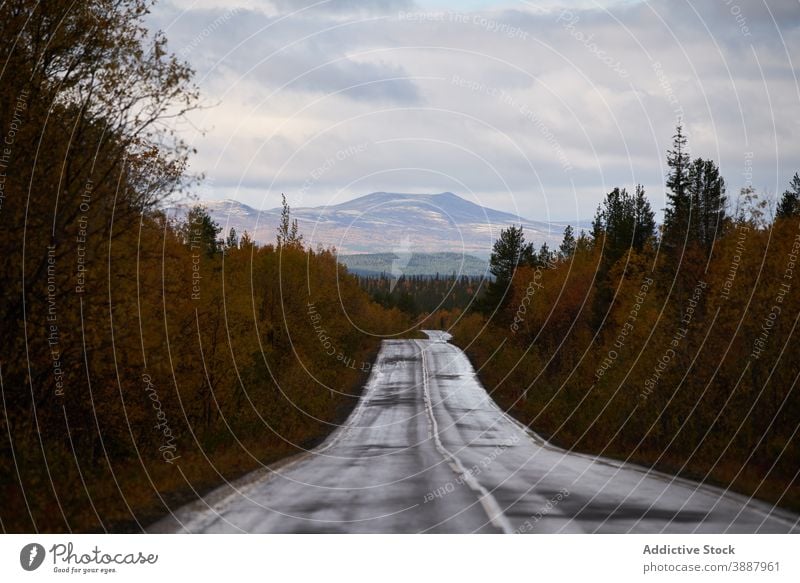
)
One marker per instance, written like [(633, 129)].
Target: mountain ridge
[(381, 222)]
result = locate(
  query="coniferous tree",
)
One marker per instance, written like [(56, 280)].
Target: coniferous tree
[(544, 258), (201, 231), (678, 211), (232, 240), (509, 252), (246, 241), (583, 243), (706, 191), (645, 220), (789, 205), (288, 233), (623, 222), (568, 243)]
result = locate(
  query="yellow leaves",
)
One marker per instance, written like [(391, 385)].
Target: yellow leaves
[(586, 372)]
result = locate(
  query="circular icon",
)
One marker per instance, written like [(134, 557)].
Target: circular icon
[(31, 556)]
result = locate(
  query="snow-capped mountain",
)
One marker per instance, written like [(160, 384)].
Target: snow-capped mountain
[(388, 222)]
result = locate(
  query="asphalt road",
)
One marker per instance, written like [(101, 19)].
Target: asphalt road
[(427, 450)]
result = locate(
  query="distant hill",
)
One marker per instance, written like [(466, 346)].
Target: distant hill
[(384, 222), (398, 264)]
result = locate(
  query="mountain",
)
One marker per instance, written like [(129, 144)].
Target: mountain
[(384, 222)]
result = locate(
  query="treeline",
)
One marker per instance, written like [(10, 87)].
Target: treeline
[(673, 347), (142, 360), (417, 295)]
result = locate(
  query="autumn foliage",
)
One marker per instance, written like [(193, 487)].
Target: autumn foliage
[(142, 360), (680, 358)]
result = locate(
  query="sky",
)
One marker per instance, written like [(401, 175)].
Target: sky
[(533, 107)]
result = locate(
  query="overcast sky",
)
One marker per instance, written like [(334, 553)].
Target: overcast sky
[(531, 107)]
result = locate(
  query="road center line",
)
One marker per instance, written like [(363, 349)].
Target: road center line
[(488, 502)]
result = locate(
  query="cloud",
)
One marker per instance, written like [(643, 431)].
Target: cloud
[(344, 7), (530, 103), (285, 54)]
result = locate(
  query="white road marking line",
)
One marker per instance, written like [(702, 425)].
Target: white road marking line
[(488, 502), (718, 493)]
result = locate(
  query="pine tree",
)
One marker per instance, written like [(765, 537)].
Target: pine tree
[(584, 243), (678, 211), (789, 205), (706, 190), (645, 220), (246, 241), (623, 221), (201, 231), (288, 234), (568, 243), (509, 252), (544, 258), (232, 240)]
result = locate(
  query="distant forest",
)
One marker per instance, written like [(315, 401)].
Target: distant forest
[(430, 264), (422, 295)]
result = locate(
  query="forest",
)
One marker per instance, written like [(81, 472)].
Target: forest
[(420, 296), (143, 360), (672, 346)]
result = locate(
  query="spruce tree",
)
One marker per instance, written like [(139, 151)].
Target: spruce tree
[(623, 221), (509, 252), (288, 234), (707, 194), (232, 240), (678, 211), (201, 231), (567, 247), (789, 205), (645, 220), (544, 258)]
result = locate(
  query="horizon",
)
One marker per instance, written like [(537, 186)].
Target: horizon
[(187, 203), (352, 198)]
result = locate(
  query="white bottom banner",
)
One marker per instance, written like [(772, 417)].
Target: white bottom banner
[(356, 558)]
